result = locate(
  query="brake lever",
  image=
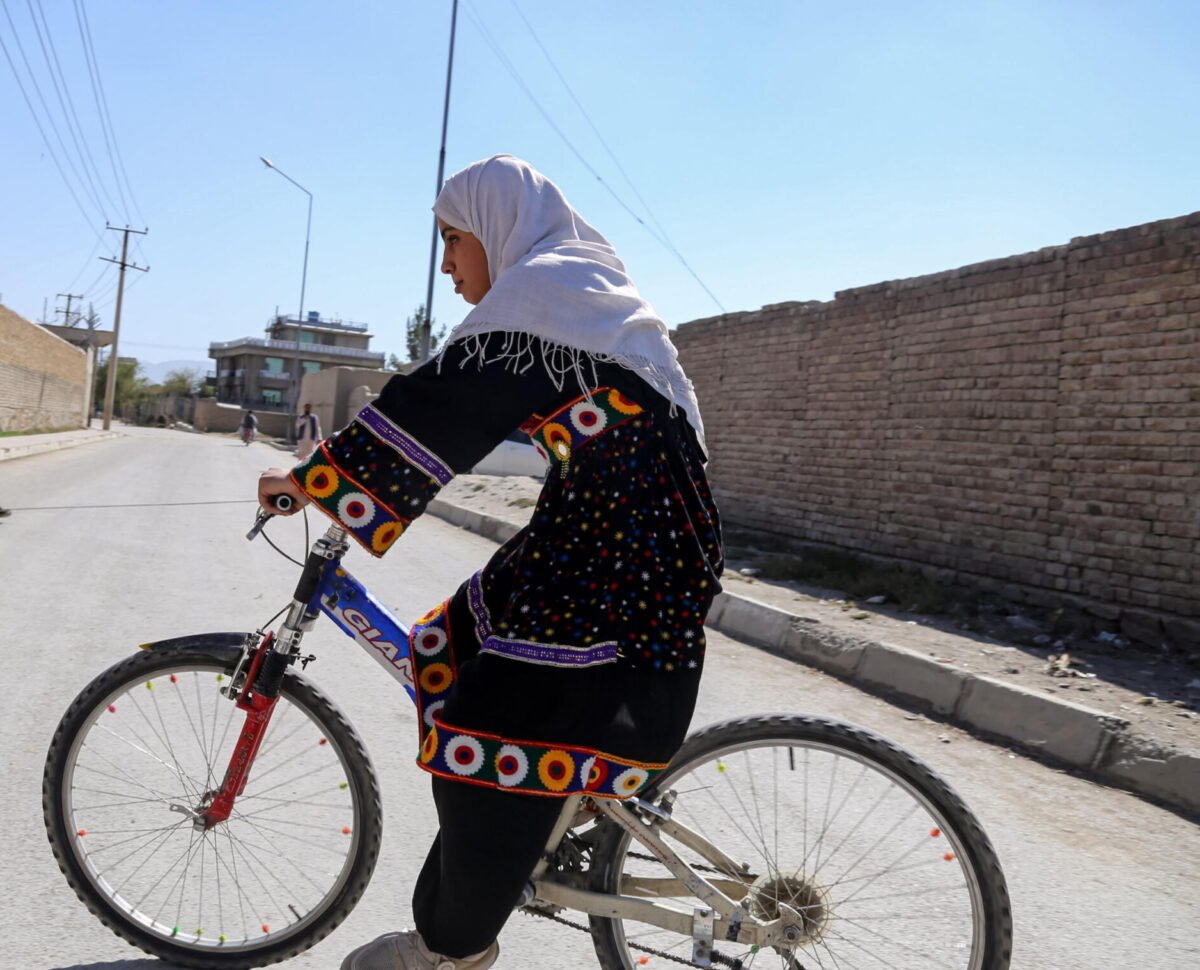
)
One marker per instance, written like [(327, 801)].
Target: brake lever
[(282, 503)]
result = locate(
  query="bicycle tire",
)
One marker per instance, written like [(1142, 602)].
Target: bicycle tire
[(725, 739), (343, 741)]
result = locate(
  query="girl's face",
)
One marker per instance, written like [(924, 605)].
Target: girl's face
[(465, 262)]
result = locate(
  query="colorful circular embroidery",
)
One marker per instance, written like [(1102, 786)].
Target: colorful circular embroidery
[(385, 535), (321, 481), (512, 765), (555, 769), (356, 509), (464, 755), (559, 440), (432, 711), (432, 614), (629, 781), (620, 402), (593, 774), (588, 419), (430, 641), (436, 678), (429, 746)]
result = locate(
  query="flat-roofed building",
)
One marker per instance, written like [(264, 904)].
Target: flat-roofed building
[(257, 372)]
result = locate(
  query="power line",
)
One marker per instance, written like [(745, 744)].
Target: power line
[(67, 104), (586, 117), (508, 65), (85, 33), (112, 293), (103, 299), (86, 263), (90, 289), (37, 121)]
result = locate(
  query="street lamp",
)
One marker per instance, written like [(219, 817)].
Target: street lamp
[(296, 368)]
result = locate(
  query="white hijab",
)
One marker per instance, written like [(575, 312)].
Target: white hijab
[(555, 277)]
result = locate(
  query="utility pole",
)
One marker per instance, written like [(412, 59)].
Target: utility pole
[(113, 360), (427, 323), (67, 312)]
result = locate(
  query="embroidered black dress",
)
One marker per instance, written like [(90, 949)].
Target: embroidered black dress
[(571, 661)]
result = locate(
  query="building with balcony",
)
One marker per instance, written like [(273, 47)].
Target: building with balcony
[(257, 372)]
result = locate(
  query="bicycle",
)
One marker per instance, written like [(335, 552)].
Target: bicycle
[(726, 859)]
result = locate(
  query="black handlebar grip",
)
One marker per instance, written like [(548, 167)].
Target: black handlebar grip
[(282, 502)]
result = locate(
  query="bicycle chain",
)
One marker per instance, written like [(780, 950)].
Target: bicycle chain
[(717, 958)]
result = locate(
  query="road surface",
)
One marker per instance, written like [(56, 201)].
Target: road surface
[(1098, 877)]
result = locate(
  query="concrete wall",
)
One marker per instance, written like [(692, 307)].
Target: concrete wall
[(42, 377), (213, 416), (1030, 424), (329, 392)]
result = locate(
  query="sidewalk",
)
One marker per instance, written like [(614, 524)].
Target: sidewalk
[(1117, 727), (24, 445)]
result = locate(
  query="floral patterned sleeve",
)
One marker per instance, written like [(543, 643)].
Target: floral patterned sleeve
[(376, 475)]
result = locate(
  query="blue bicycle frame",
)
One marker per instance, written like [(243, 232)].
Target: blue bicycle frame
[(368, 622)]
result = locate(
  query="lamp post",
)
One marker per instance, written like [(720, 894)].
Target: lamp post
[(427, 324), (297, 370)]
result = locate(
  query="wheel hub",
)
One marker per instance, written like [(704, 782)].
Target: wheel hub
[(797, 895)]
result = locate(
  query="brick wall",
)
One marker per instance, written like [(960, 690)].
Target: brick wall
[(42, 377), (1028, 424)]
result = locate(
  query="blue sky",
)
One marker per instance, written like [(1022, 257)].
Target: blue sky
[(789, 149)]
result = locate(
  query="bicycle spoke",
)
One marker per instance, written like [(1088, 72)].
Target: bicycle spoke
[(290, 781), (867, 813), (237, 882), (278, 860), (799, 810), (162, 796), (176, 771)]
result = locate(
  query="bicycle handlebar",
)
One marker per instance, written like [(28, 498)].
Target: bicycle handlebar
[(281, 503)]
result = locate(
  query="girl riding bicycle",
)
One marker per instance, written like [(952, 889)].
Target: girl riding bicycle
[(592, 615), (249, 427)]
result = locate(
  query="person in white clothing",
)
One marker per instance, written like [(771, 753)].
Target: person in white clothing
[(308, 433)]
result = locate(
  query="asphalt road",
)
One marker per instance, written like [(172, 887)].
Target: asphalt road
[(1098, 877)]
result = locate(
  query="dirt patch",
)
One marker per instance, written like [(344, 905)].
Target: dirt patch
[(1049, 651)]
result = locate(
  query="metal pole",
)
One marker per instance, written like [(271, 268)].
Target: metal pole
[(296, 368), (110, 388), (300, 323), (427, 325)]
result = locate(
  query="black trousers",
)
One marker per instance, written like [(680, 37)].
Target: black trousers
[(484, 853)]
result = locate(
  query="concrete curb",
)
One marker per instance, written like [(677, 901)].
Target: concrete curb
[(10, 452), (1063, 732)]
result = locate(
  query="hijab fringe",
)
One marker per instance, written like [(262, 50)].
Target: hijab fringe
[(515, 352)]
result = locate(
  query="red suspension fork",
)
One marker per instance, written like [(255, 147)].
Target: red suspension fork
[(257, 699)]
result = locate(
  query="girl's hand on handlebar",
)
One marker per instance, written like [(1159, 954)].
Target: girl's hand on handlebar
[(275, 481)]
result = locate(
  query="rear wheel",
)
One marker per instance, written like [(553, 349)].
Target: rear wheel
[(879, 859), (144, 748)]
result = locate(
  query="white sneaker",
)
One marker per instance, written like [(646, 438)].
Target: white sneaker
[(407, 951)]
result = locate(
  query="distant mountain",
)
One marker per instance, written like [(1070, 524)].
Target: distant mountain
[(157, 373)]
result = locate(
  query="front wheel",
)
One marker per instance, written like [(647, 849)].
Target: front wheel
[(144, 748), (874, 859)]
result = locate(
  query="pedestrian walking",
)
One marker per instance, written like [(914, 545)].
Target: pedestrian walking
[(308, 433)]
